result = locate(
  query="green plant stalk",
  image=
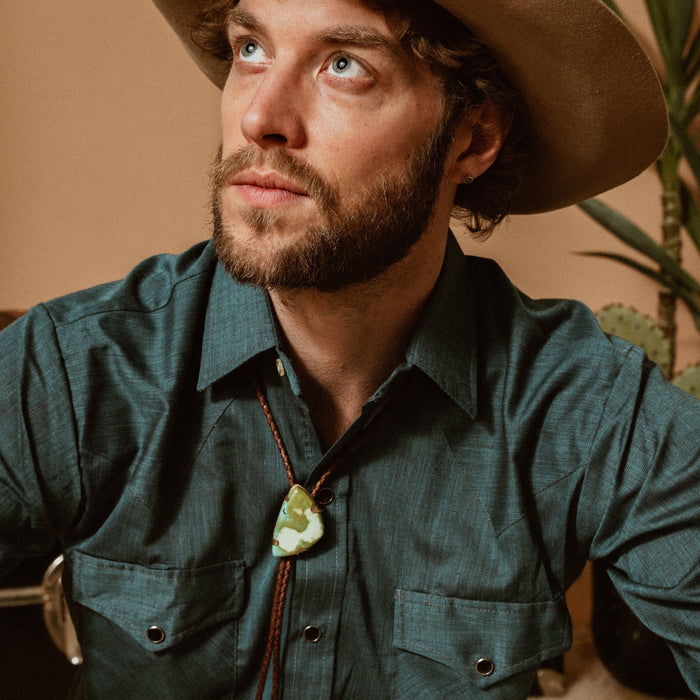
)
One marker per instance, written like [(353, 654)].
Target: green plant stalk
[(671, 241), (678, 40), (672, 214)]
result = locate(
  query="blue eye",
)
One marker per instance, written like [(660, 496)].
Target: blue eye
[(341, 64), (346, 67), (250, 50)]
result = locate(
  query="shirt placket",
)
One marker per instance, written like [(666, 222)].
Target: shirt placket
[(317, 587), (315, 594), (313, 613)]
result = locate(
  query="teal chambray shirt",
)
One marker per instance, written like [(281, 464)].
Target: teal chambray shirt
[(519, 441)]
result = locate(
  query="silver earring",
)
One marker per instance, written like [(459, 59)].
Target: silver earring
[(468, 180)]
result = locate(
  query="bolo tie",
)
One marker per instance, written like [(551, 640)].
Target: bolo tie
[(299, 526)]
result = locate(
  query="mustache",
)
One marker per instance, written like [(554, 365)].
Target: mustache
[(279, 160)]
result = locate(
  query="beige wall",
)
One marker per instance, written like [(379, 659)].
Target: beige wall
[(107, 132)]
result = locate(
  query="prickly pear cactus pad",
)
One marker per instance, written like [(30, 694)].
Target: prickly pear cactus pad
[(689, 380), (635, 327)]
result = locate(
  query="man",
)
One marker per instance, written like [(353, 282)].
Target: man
[(326, 455)]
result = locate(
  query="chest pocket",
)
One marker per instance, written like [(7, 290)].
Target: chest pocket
[(158, 608), (453, 648)]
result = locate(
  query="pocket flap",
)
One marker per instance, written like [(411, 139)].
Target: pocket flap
[(487, 641), (158, 607)]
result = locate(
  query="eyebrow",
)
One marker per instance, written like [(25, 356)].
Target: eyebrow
[(362, 37), (237, 15)]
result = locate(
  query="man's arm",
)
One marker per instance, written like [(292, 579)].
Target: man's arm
[(641, 502), (39, 464)]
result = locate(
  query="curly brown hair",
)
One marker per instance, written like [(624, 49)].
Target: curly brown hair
[(470, 77)]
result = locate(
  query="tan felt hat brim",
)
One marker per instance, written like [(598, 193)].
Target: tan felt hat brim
[(597, 109)]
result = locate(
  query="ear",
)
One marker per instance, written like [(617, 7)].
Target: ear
[(477, 142)]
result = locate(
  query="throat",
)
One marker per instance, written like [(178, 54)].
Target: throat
[(332, 416)]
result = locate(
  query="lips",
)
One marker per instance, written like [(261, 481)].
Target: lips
[(266, 189)]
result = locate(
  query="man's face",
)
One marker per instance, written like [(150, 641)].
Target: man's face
[(333, 146)]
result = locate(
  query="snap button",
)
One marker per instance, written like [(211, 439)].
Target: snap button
[(485, 667), (325, 496), (155, 634), (312, 634), (280, 367)]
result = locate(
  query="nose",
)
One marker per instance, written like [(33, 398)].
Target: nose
[(273, 115)]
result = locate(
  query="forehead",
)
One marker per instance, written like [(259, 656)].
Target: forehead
[(333, 19)]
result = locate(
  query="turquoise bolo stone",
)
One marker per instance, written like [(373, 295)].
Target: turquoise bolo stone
[(299, 524)]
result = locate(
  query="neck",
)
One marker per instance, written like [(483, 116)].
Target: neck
[(344, 344)]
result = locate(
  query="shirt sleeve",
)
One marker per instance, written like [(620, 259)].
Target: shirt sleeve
[(39, 467), (640, 503)]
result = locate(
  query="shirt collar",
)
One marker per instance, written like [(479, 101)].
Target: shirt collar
[(444, 344), (238, 325)]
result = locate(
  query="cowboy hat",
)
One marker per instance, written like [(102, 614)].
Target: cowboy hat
[(597, 111)]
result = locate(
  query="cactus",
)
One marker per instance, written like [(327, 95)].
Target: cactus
[(689, 380), (678, 40), (635, 327)]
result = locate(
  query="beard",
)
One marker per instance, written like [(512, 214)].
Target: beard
[(350, 244)]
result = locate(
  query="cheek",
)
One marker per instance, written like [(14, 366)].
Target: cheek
[(231, 110), (227, 131), (366, 154), (381, 137)]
